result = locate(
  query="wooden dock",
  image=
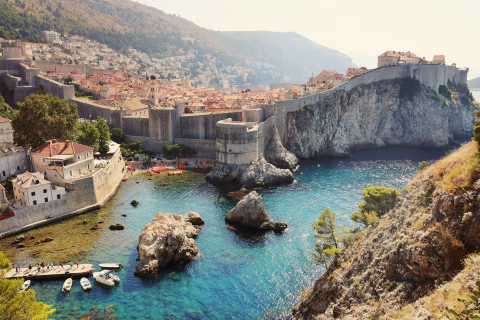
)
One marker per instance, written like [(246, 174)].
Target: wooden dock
[(55, 273)]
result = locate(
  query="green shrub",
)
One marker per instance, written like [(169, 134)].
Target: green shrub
[(427, 194), (471, 308), (445, 91), (409, 87), (177, 150)]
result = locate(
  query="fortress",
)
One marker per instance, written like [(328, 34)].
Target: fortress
[(235, 137)]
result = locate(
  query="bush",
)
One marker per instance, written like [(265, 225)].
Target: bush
[(471, 308), (427, 194), (445, 91)]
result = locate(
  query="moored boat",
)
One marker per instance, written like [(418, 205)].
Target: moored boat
[(111, 266), (67, 285), (85, 283), (231, 228), (110, 274), (100, 277), (26, 285)]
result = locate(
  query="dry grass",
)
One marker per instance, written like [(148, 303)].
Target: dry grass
[(445, 295), (456, 171)]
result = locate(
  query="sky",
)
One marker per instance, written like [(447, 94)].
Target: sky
[(362, 29)]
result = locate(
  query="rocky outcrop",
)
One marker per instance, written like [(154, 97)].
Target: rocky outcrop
[(250, 212), (258, 174), (417, 246), (167, 240), (276, 154), (374, 115)]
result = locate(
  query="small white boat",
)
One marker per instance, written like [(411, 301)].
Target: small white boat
[(26, 285), (67, 285), (85, 283), (103, 279), (111, 266)]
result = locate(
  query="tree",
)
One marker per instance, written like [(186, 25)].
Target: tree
[(16, 305), (43, 117), (104, 132), (377, 202), (327, 237), (87, 134), (117, 135), (177, 150)]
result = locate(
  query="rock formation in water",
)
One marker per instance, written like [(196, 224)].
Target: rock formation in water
[(373, 115), (250, 212), (399, 265), (167, 240)]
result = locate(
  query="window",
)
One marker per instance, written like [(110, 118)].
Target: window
[(58, 196), (18, 168), (43, 159), (34, 202), (33, 193), (3, 173), (71, 173), (87, 154), (46, 199), (78, 157), (44, 190)]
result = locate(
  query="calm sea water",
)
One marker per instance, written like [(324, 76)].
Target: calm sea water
[(239, 275)]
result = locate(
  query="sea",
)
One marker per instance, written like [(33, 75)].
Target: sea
[(239, 274)]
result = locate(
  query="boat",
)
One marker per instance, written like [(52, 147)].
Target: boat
[(231, 228), (124, 179), (100, 277), (85, 283), (26, 285), (111, 266), (67, 285), (110, 274)]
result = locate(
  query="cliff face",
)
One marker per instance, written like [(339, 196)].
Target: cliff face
[(376, 114), (415, 248)]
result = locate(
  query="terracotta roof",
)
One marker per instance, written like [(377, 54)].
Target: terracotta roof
[(52, 148), (390, 53), (2, 119)]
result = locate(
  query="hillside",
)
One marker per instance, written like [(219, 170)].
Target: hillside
[(418, 260), (122, 23), (474, 84), (292, 54)]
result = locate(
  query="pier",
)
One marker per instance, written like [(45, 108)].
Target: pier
[(55, 273)]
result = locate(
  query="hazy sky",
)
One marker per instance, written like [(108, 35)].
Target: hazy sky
[(362, 29)]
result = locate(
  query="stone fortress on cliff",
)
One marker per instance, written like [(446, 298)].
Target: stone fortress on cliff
[(233, 137)]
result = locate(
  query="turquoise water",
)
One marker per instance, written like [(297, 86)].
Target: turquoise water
[(239, 275)]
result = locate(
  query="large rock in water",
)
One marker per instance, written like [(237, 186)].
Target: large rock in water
[(250, 212), (167, 240), (257, 174)]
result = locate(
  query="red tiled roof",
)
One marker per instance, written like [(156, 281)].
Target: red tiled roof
[(52, 148)]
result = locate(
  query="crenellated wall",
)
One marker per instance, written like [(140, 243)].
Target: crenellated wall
[(202, 125)]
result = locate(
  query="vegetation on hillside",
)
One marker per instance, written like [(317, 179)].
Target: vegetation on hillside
[(458, 94), (178, 150), (328, 238), (16, 305), (42, 117)]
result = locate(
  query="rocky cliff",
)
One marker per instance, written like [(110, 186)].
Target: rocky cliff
[(399, 268), (390, 112)]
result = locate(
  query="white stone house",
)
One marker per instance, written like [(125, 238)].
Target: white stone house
[(13, 160), (31, 189), (63, 162)]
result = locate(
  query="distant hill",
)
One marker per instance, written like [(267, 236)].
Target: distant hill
[(474, 83), (295, 56), (121, 24)]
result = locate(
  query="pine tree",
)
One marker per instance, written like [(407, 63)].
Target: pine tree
[(327, 237)]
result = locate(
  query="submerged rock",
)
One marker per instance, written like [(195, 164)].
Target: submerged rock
[(250, 212), (134, 203), (167, 240), (117, 226)]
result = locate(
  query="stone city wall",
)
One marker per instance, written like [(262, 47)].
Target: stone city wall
[(11, 66), (203, 125), (46, 66), (64, 91), (236, 142), (204, 148), (11, 81), (88, 109), (22, 92), (134, 126), (148, 143)]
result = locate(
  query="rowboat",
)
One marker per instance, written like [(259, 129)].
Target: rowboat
[(67, 285), (231, 228), (85, 283), (111, 266), (110, 274), (26, 285)]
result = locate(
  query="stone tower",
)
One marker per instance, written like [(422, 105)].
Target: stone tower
[(153, 91)]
